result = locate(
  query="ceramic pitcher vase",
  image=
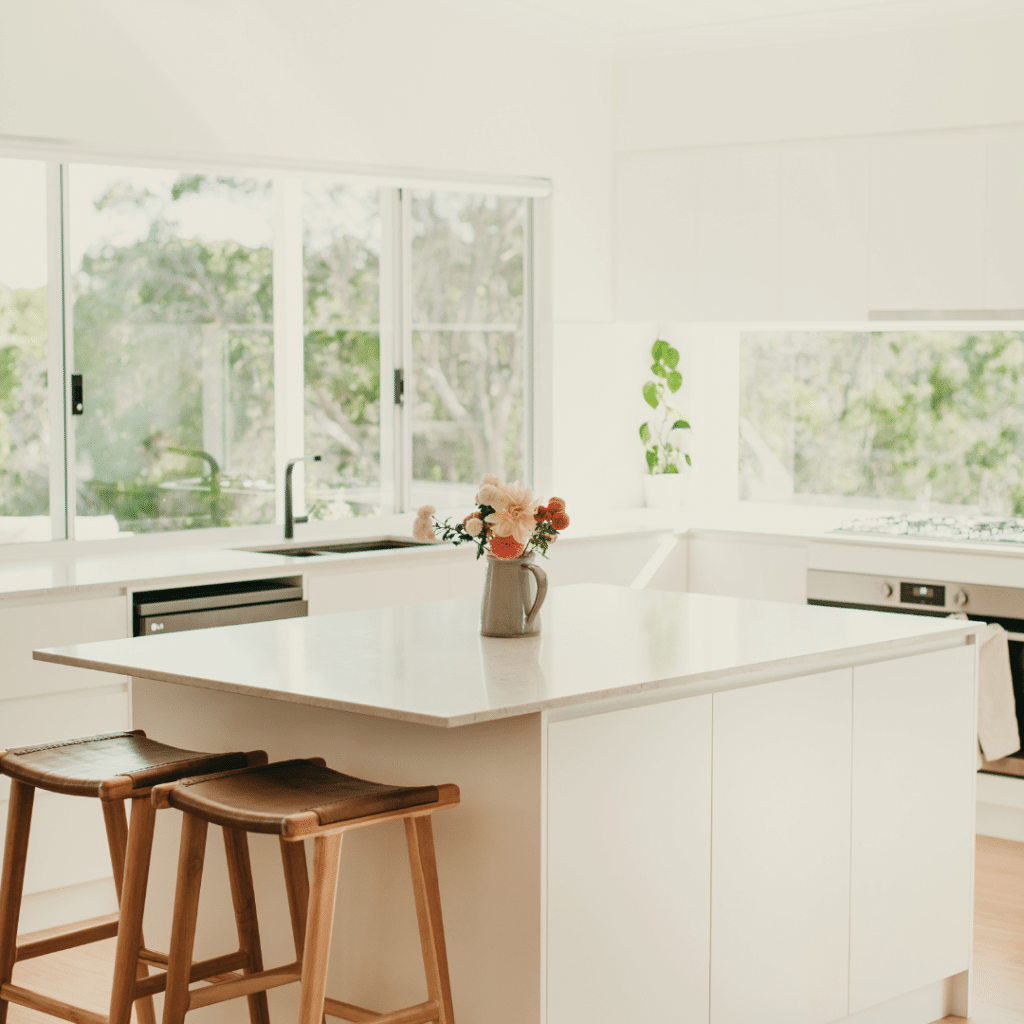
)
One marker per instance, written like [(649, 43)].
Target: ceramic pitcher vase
[(514, 590)]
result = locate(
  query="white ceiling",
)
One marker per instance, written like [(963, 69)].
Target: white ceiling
[(624, 26)]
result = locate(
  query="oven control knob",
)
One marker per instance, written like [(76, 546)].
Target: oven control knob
[(960, 598), (886, 590)]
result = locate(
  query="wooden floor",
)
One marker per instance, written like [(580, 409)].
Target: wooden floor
[(998, 933), (82, 975)]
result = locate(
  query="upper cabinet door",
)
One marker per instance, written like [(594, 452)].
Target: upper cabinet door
[(913, 806), (928, 223), (781, 851)]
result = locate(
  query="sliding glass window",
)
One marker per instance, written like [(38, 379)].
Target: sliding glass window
[(341, 264), (469, 343), (221, 324), (24, 416), (173, 335)]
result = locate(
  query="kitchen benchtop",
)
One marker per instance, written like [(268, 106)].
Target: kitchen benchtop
[(428, 663), (128, 562)]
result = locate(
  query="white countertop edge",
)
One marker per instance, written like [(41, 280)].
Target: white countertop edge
[(261, 565), (693, 685)]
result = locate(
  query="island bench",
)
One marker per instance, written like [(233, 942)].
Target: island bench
[(675, 807)]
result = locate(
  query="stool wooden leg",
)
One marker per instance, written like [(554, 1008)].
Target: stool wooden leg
[(236, 848), (296, 883), (134, 869), (319, 924), (186, 909), (116, 823), (420, 837), (19, 820)]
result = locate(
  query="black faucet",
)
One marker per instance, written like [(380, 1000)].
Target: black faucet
[(290, 519)]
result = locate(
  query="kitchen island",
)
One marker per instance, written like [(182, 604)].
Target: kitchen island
[(674, 806)]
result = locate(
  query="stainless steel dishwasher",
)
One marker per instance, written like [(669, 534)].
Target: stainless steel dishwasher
[(217, 604)]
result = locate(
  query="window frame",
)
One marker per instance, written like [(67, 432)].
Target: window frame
[(396, 329)]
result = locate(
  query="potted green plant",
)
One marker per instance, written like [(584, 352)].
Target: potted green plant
[(663, 483)]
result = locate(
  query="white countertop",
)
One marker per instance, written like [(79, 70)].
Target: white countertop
[(428, 663), (134, 562)]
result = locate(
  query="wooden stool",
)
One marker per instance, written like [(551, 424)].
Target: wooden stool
[(297, 800), (115, 767)]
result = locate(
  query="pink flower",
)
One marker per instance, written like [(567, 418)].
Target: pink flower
[(474, 525), (423, 527), (513, 515)]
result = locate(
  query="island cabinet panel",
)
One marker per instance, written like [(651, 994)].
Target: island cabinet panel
[(628, 863), (912, 851), (781, 851)]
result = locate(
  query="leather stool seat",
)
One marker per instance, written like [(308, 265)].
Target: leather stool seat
[(114, 767), (283, 798), (99, 765), (296, 800)]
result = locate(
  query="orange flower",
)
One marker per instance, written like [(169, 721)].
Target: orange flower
[(541, 514), (559, 520), (506, 547), (556, 505)]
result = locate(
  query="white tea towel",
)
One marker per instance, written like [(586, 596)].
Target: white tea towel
[(997, 715)]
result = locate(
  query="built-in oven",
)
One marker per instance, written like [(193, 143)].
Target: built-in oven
[(1004, 605)]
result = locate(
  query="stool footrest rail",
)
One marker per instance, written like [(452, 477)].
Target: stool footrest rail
[(104, 929), (54, 1007), (421, 1013)]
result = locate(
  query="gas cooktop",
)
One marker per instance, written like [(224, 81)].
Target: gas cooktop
[(939, 527)]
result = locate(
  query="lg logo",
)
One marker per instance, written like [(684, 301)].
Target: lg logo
[(155, 627)]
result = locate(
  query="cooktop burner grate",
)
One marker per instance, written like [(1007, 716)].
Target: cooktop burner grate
[(939, 527)]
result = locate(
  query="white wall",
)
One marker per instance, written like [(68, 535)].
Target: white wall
[(419, 84), (823, 178), (403, 83)]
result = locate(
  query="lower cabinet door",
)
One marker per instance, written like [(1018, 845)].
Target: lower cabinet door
[(913, 834), (628, 862), (781, 851)]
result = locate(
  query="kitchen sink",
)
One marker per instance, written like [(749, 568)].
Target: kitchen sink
[(338, 547)]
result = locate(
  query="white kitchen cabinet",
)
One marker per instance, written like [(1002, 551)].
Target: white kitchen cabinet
[(40, 703), (780, 864), (762, 568), (913, 753), (1004, 219), (629, 825), (350, 589), (43, 622), (456, 572), (928, 222)]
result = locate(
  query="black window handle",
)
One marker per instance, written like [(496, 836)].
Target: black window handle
[(77, 395)]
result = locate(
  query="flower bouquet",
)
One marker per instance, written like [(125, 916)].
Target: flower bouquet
[(508, 522), (509, 526)]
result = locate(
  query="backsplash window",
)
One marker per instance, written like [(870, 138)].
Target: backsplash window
[(892, 419)]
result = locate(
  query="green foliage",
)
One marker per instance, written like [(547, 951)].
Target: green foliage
[(24, 425), (661, 452), (897, 418), (164, 326), (468, 399)]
